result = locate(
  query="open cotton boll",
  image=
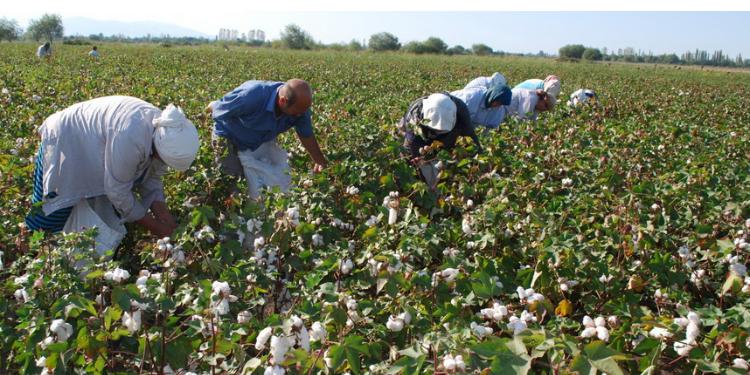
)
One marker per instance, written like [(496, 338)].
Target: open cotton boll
[(318, 332), (392, 216), (692, 333), (262, 338), (660, 333), (480, 330), (517, 325), (244, 317), (61, 329), (466, 225), (279, 348), (602, 333), (132, 320), (346, 266), (682, 348), (275, 370), (449, 363), (21, 295), (394, 324), (118, 275), (740, 363)]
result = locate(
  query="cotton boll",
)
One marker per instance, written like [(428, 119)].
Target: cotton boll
[(394, 324), (275, 370), (692, 333), (740, 363), (466, 226), (262, 338), (449, 363), (318, 332), (244, 317), (392, 216), (279, 348), (517, 325), (660, 333), (600, 322), (602, 333), (405, 316), (304, 338), (682, 322), (588, 332), (21, 295), (117, 275), (694, 318), (682, 348), (132, 320), (347, 266), (479, 330), (41, 362), (61, 329)]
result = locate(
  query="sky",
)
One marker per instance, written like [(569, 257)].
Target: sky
[(500, 25)]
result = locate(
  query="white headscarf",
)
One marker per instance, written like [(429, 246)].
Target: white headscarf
[(439, 113), (552, 86), (175, 138)]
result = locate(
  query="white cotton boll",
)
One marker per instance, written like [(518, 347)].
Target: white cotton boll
[(449, 274), (178, 257), (460, 364), (449, 363), (21, 295), (405, 316), (318, 332), (682, 322), (5, 91), (41, 362), (279, 348), (466, 226), (118, 275), (692, 333), (392, 216), (521, 293), (600, 322), (61, 329), (132, 320), (221, 307), (739, 269), (740, 363), (479, 330), (517, 325), (244, 317), (660, 333), (221, 288), (259, 242), (613, 320), (605, 278), (1, 260), (296, 321), (588, 322), (262, 339), (352, 190), (275, 370), (588, 332), (682, 348), (347, 266), (566, 182), (394, 324), (694, 318), (469, 203), (564, 287), (317, 239), (602, 333), (304, 339), (167, 370), (36, 98)]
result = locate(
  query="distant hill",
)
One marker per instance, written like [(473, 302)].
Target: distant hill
[(88, 26)]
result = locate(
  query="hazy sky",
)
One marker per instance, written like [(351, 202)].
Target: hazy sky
[(502, 30)]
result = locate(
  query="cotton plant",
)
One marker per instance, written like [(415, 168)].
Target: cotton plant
[(528, 295), (495, 313)]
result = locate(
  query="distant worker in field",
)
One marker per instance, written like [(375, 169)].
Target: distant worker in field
[(485, 103), (247, 122), (94, 53), (44, 51), (433, 123), (114, 148), (581, 96), (551, 85)]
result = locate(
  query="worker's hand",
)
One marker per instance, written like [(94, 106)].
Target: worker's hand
[(162, 215), (318, 168), (208, 108), (417, 161), (156, 227)]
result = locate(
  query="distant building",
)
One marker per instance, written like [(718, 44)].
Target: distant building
[(256, 35), (228, 34)]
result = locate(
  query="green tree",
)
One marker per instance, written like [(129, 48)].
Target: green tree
[(355, 45), (572, 51), (294, 37), (457, 50), (481, 49), (383, 42), (592, 54), (48, 27), (9, 29), (435, 45), (414, 47)]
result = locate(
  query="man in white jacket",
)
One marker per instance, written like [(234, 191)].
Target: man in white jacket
[(115, 146)]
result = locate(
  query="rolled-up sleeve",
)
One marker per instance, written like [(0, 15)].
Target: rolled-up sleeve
[(303, 125), (125, 153)]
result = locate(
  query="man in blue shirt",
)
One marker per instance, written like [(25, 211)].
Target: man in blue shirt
[(256, 112)]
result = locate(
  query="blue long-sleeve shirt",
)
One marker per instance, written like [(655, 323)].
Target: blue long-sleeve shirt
[(247, 116)]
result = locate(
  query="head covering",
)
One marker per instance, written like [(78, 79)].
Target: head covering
[(175, 138), (439, 113), (552, 86), (581, 96), (497, 92)]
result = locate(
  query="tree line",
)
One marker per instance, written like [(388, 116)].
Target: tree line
[(50, 27), (629, 54)]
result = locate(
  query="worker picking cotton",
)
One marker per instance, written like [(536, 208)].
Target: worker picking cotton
[(486, 103), (551, 85), (247, 122), (106, 157), (44, 51), (434, 122)]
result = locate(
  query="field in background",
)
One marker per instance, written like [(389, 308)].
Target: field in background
[(661, 164)]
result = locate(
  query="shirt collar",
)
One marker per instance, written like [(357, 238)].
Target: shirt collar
[(271, 103)]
